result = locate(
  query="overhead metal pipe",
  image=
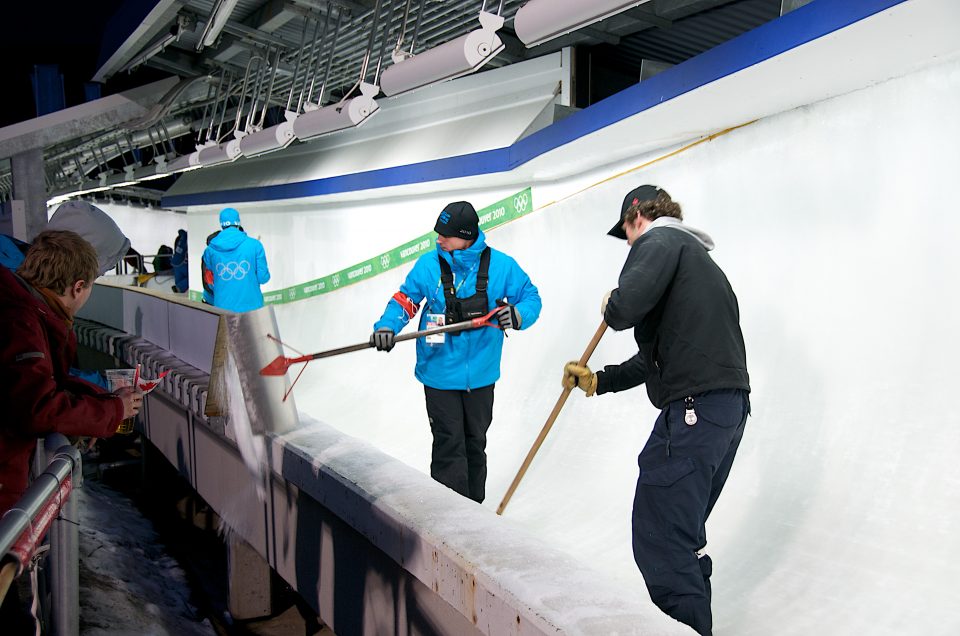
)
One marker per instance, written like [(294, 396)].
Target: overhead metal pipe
[(347, 113)]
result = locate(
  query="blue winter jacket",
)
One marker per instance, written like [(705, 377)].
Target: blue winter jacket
[(470, 359), (180, 262), (11, 252), (239, 267)]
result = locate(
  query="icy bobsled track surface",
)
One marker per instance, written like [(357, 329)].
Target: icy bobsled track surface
[(836, 226)]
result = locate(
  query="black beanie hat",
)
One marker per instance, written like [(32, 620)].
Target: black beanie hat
[(458, 219), (635, 196)]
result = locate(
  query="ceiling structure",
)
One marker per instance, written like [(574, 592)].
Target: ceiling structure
[(243, 64)]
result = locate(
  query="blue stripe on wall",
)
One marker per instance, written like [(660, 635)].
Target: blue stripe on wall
[(812, 21)]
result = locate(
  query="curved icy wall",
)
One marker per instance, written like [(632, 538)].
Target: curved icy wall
[(834, 224)]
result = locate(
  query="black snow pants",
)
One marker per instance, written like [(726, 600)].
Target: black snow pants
[(682, 470), (459, 421)]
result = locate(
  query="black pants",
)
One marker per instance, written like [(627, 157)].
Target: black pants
[(459, 421), (682, 471)]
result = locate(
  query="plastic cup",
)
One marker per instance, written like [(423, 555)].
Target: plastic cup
[(117, 379)]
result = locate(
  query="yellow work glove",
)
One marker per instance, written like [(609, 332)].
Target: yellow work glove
[(575, 374), (603, 303)]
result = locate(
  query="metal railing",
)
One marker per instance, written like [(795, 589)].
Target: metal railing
[(47, 505)]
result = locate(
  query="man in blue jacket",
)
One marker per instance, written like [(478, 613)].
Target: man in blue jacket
[(235, 265), (462, 279)]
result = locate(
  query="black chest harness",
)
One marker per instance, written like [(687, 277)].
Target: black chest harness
[(461, 309)]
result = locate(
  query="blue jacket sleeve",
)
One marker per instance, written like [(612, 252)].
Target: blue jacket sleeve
[(414, 287), (93, 377), (523, 295), (263, 272)]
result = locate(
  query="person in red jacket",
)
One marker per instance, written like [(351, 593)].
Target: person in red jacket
[(37, 347)]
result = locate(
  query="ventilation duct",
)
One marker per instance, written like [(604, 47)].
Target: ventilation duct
[(452, 59), (542, 20)]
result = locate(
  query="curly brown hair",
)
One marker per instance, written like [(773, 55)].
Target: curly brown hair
[(653, 209), (57, 259)]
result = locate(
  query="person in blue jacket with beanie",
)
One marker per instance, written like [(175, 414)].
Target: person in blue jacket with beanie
[(463, 279), (235, 265)]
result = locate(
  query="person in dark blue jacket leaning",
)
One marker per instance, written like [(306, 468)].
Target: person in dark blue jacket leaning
[(686, 323), (180, 263), (463, 279), (235, 266)]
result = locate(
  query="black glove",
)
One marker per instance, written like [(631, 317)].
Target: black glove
[(383, 339), (508, 317)]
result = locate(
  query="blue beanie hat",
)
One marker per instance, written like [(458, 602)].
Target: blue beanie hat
[(229, 217)]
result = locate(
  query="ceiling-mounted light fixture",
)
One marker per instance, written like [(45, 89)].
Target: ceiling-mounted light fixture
[(219, 153), (121, 179), (347, 113), (455, 58), (268, 139), (151, 171), (184, 163), (542, 20), (329, 119)]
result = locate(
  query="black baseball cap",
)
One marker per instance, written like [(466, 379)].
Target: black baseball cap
[(635, 196), (458, 219)]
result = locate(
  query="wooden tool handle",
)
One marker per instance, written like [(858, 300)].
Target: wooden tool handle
[(550, 420)]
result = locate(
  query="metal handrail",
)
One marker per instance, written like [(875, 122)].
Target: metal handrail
[(23, 526)]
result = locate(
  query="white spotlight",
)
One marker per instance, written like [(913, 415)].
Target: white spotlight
[(542, 20), (184, 163), (151, 171), (452, 59), (269, 139), (220, 153), (330, 119)]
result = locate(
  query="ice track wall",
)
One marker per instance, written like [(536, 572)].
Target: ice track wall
[(834, 224)]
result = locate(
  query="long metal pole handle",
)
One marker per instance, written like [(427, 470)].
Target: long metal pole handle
[(550, 420), (454, 327)]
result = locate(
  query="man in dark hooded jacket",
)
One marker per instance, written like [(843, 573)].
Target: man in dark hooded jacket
[(234, 266), (686, 324)]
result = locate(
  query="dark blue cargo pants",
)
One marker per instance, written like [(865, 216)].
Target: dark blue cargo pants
[(682, 470)]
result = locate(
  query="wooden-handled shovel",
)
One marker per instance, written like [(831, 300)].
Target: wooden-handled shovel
[(550, 420)]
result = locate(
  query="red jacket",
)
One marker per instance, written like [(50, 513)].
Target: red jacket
[(37, 392)]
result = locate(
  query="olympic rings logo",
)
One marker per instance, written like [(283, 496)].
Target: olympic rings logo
[(385, 261), (521, 201), (336, 280), (233, 270)]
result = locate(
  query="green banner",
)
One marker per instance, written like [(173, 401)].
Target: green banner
[(492, 216)]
